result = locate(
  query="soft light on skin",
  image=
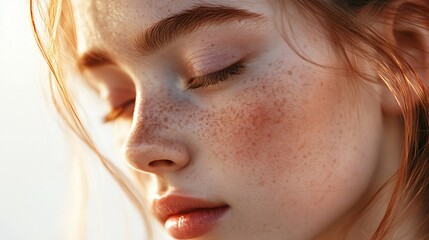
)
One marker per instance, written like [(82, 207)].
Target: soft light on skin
[(293, 148)]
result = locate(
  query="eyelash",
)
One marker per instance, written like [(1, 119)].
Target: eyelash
[(216, 77), (196, 82), (118, 111)]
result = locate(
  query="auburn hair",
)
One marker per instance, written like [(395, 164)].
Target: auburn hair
[(345, 23)]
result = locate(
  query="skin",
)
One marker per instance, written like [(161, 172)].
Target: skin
[(294, 149)]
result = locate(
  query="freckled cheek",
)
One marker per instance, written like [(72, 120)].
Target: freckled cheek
[(274, 130), (258, 130), (250, 135)]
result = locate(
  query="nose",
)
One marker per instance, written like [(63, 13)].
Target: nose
[(156, 158), (155, 143)]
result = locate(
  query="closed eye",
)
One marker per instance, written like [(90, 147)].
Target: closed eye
[(216, 77), (118, 111), (194, 83)]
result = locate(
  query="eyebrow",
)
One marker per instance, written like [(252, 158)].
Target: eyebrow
[(162, 33), (165, 31)]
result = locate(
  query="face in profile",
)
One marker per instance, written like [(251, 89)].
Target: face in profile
[(241, 136)]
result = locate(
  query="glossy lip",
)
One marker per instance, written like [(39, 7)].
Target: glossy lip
[(201, 215)]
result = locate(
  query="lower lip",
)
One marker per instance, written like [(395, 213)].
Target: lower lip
[(195, 223)]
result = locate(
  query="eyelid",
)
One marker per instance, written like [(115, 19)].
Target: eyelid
[(115, 87), (216, 77), (211, 59), (118, 111)]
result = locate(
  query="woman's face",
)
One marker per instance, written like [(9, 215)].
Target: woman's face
[(228, 113)]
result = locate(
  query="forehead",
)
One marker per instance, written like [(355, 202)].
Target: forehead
[(113, 24)]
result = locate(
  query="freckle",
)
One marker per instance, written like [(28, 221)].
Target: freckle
[(289, 73), (212, 45), (270, 64)]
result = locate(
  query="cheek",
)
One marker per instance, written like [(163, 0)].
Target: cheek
[(239, 133), (298, 134), (268, 127)]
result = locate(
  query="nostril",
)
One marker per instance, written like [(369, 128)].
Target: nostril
[(154, 158), (161, 163)]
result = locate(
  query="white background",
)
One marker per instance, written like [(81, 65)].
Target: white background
[(33, 176)]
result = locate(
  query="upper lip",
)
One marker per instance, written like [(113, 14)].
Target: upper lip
[(170, 205)]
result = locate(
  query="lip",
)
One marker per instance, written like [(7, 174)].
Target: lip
[(187, 217)]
